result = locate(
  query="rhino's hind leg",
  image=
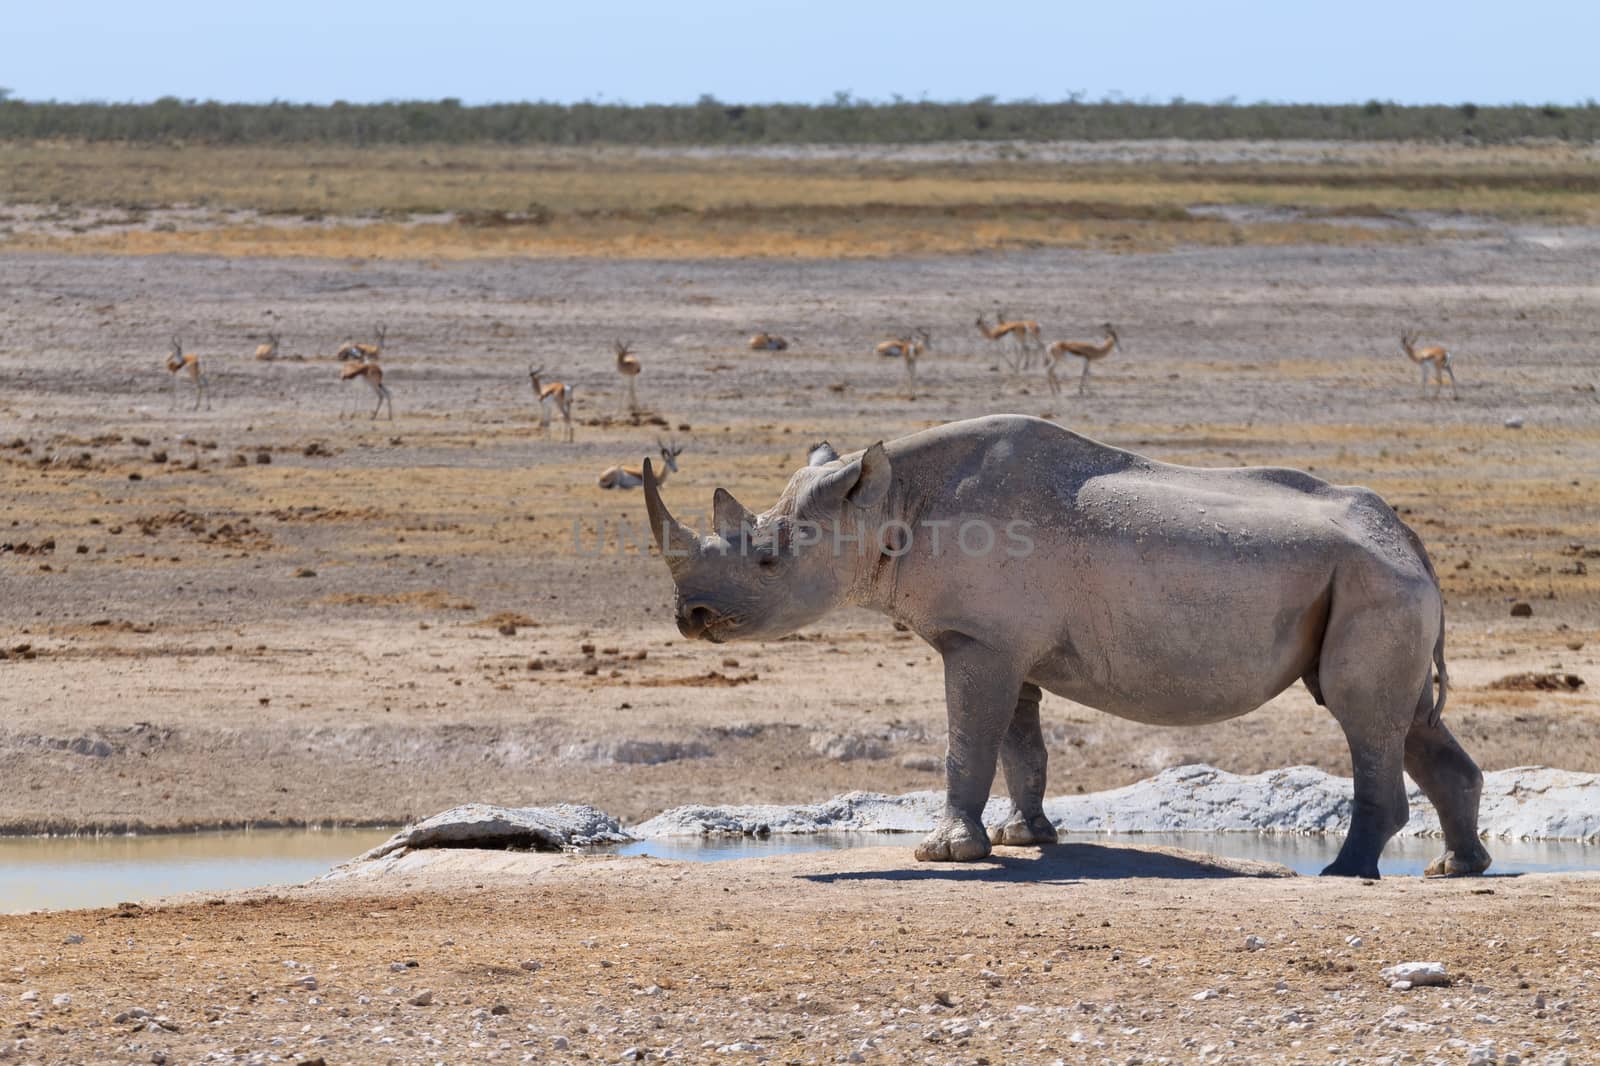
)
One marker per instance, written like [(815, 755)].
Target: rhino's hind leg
[(1453, 784), (1369, 675), (1024, 758), (980, 691)]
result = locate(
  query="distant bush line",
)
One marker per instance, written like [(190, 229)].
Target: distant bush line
[(712, 122)]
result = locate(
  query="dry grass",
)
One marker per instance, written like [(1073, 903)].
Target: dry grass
[(468, 202)]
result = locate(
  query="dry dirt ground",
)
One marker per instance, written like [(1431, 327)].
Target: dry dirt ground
[(1084, 954), (266, 613)]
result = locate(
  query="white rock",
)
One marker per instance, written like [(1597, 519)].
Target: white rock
[(482, 825), (1514, 422), (61, 1000), (1254, 943), (422, 999), (1528, 802), (1354, 941), (1415, 974), (30, 996), (1201, 997), (75, 938)]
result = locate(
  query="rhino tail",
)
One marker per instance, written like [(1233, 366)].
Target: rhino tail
[(1434, 707), (1436, 712)]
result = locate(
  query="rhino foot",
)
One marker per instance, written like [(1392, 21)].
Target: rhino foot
[(1342, 867), (955, 840), (1473, 860), (1022, 832)]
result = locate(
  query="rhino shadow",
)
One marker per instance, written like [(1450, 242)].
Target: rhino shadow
[(1070, 864)]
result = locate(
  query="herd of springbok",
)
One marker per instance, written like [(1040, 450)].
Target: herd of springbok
[(1021, 344)]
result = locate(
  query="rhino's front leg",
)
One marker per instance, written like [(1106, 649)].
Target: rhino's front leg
[(980, 691), (1024, 758)]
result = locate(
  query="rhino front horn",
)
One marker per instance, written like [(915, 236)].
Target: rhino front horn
[(674, 540)]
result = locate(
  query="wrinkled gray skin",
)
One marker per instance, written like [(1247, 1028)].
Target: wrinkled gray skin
[(1163, 594)]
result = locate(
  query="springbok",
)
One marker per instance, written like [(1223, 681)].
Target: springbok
[(1024, 333), (631, 477), (1083, 350), (628, 367), (768, 342), (1433, 357), (908, 350), (268, 351), (372, 374), (179, 363), (554, 395), (363, 352)]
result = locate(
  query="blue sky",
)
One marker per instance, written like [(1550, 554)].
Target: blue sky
[(1412, 51)]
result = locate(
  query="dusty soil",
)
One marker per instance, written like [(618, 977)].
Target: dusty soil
[(267, 613), (1081, 953)]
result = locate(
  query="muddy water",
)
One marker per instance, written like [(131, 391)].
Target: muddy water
[(60, 873), (1404, 857), (66, 873)]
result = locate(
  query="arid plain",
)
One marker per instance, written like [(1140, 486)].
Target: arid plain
[(278, 611)]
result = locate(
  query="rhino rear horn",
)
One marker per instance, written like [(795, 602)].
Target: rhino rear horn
[(730, 517)]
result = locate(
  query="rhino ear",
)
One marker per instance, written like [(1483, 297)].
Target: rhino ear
[(820, 454), (864, 482)]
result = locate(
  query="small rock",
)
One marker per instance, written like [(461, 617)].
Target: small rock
[(1201, 997), (632, 1054), (499, 1009), (308, 983), (1354, 941), (422, 999), (30, 996), (559, 1043), (397, 967), (530, 965), (1482, 1055), (1254, 943), (1415, 974), (61, 1000), (75, 938), (1522, 609), (1514, 422)]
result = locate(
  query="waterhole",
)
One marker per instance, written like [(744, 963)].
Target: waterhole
[(62, 873)]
